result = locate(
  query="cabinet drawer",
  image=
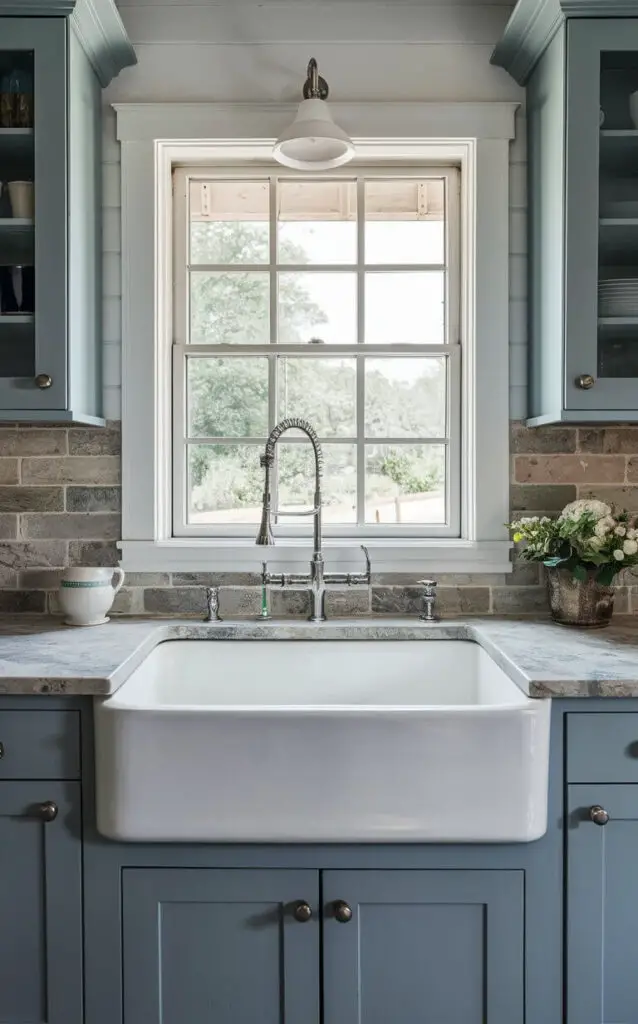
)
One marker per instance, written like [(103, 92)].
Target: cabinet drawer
[(40, 745), (602, 747)]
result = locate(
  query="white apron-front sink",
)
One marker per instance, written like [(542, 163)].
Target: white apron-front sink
[(321, 741)]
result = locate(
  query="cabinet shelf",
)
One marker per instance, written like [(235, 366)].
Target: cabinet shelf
[(17, 318), (16, 224)]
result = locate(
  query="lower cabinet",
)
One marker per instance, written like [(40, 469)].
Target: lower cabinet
[(40, 903), (241, 946), (602, 917)]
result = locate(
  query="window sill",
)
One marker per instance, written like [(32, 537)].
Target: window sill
[(401, 556)]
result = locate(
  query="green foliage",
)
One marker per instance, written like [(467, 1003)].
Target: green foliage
[(588, 536), (228, 396), (399, 466)]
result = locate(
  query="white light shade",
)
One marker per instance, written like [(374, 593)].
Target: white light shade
[(313, 141)]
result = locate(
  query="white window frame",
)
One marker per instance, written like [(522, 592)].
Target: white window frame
[(450, 350), (157, 137)]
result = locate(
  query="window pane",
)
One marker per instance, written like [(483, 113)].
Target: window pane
[(317, 222), (405, 484), (339, 482), (227, 397), (405, 397), (405, 308), (230, 308), (225, 484), (317, 306), (229, 221), (323, 391), (405, 221)]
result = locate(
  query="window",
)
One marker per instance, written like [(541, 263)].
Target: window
[(434, 144), (332, 298)]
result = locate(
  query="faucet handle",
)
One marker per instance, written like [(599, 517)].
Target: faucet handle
[(429, 600), (212, 605)]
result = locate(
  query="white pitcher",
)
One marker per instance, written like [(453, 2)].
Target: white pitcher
[(86, 595)]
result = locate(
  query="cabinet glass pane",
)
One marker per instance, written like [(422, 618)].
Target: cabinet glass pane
[(618, 209), (17, 227)]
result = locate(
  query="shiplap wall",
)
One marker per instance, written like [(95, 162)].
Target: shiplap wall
[(238, 50)]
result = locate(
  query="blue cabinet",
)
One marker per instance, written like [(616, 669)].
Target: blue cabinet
[(445, 946), (401, 946), (40, 903), (602, 922), (52, 69), (220, 945), (583, 205)]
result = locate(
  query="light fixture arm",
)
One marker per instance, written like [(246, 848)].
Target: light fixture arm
[(315, 87)]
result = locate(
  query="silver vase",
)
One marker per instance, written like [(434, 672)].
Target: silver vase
[(583, 603)]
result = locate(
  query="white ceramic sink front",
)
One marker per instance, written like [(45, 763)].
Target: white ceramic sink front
[(321, 740)]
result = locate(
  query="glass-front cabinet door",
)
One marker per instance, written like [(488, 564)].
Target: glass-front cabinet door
[(33, 213), (601, 195)]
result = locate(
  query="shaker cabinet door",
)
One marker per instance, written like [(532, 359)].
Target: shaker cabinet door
[(40, 903), (217, 946), (602, 916), (411, 946)]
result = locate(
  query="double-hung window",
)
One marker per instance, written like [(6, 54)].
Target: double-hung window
[(334, 298)]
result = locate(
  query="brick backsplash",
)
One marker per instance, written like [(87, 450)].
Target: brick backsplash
[(60, 505)]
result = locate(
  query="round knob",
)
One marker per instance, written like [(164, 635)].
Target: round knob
[(48, 811), (302, 911), (342, 911), (585, 381), (598, 815), (43, 381)]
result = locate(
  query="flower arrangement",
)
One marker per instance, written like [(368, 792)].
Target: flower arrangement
[(588, 537)]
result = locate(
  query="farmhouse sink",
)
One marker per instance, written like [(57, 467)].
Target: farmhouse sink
[(321, 741)]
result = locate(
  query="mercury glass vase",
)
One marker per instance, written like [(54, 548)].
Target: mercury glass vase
[(583, 603)]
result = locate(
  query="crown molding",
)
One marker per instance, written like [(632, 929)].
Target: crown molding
[(96, 23), (534, 23)]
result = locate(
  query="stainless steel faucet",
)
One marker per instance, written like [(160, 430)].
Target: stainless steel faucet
[(317, 580)]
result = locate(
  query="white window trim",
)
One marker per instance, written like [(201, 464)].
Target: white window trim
[(156, 136)]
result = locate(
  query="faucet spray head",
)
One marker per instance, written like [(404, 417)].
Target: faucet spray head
[(265, 534)]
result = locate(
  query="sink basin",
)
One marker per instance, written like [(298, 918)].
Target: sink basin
[(321, 741)]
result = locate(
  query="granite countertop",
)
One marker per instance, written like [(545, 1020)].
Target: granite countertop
[(43, 656)]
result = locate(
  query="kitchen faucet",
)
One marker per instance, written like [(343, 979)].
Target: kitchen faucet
[(317, 579)]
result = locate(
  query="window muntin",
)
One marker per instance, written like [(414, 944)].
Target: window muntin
[(335, 298)]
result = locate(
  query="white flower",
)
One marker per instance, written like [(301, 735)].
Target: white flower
[(575, 509), (601, 528), (620, 531), (632, 534), (630, 547), (619, 555), (596, 543), (610, 521)]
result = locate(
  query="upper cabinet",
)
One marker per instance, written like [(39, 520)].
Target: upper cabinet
[(581, 71), (54, 61)]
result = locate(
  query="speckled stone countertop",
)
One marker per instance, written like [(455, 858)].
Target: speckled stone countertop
[(44, 657)]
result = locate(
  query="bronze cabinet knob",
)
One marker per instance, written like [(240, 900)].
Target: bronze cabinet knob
[(585, 381), (598, 815), (302, 911), (43, 381), (342, 911), (48, 811)]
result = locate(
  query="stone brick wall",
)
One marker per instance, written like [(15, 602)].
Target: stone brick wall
[(60, 505)]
